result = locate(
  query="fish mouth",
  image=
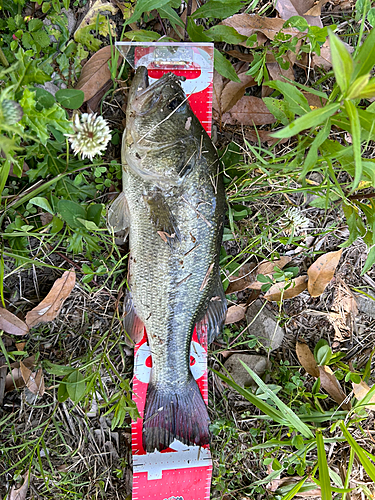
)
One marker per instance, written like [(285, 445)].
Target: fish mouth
[(145, 97)]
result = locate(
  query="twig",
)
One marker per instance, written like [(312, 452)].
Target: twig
[(188, 13)]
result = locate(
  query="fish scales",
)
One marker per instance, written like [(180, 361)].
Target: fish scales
[(174, 202)]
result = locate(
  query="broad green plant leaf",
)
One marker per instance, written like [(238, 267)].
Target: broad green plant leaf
[(355, 126), (297, 101), (309, 120), (75, 385), (224, 67), (294, 421), (341, 61), (71, 212), (293, 492), (43, 203), (142, 36), (325, 483), (358, 86), (361, 454), (196, 33), (145, 6), (214, 9), (70, 98), (221, 33), (365, 59)]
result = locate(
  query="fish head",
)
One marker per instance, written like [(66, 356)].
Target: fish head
[(160, 124)]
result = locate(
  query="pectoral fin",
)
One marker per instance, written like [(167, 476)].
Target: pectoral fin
[(162, 217), (118, 214), (214, 318), (133, 326)]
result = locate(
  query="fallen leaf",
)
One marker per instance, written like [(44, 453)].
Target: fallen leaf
[(248, 24), (14, 379), (95, 73), (11, 324), (247, 274), (20, 493), (234, 91), (235, 314), (306, 8), (262, 136), (98, 7), (50, 307), (360, 391), (268, 269), (314, 101), (275, 293), (321, 272), (330, 383), (249, 110), (307, 360), (277, 73), (34, 381), (218, 85)]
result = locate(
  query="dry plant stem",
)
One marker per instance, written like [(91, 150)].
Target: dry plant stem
[(361, 196)]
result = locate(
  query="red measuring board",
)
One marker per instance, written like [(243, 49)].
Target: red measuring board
[(180, 472)]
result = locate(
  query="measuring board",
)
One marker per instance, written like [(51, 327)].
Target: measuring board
[(180, 472)]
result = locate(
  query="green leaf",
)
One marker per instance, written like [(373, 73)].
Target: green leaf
[(259, 403), (358, 86), (365, 59), (292, 493), (70, 98), (62, 392), (224, 67), (369, 261), (298, 22), (75, 385), (214, 9), (280, 109), (325, 483), (312, 155), (58, 370), (44, 98), (167, 12), (142, 35), (145, 6), (42, 203), (196, 33), (294, 421), (226, 34), (94, 213), (309, 120), (355, 126), (341, 61), (70, 212), (298, 103), (361, 454)]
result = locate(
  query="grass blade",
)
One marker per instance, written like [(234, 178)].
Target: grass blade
[(259, 403), (367, 464), (355, 126), (293, 420), (309, 120), (325, 482), (292, 493)]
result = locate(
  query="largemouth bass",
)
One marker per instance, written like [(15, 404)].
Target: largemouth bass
[(173, 207)]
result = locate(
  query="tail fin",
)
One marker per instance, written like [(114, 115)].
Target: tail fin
[(169, 415)]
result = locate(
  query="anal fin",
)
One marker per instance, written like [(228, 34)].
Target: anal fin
[(215, 314)]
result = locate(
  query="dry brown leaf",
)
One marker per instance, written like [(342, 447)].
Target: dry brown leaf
[(321, 272), (20, 493), (314, 100), (34, 381), (11, 324), (275, 293), (360, 391), (95, 73), (50, 307), (234, 91), (218, 85), (235, 314), (14, 380), (305, 8), (262, 136), (96, 8), (307, 360), (268, 269), (277, 73), (249, 110), (248, 24), (247, 274), (330, 383)]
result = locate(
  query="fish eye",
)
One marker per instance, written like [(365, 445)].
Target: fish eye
[(173, 104)]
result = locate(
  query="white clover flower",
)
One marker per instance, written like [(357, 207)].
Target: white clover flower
[(91, 135), (294, 221)]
